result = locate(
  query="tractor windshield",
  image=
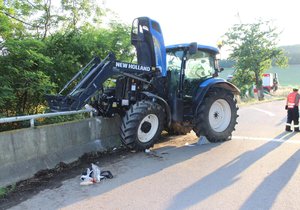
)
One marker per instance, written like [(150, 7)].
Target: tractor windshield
[(199, 65)]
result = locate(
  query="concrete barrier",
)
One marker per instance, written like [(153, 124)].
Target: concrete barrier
[(26, 151)]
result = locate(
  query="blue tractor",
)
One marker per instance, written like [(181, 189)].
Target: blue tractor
[(173, 88)]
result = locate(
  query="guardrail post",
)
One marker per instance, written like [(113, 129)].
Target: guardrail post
[(32, 122), (91, 114)]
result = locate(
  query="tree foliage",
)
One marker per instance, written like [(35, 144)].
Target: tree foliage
[(24, 81), (73, 50), (42, 45), (254, 47), (244, 80), (41, 18)]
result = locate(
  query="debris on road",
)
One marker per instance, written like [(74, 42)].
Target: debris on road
[(93, 175), (189, 145), (202, 140)]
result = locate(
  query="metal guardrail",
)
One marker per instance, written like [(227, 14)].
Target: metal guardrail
[(32, 118)]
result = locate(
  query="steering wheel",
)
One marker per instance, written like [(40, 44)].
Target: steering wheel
[(200, 71)]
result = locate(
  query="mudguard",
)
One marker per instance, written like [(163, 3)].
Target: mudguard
[(165, 105), (206, 85)]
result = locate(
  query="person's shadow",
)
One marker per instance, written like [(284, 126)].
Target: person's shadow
[(224, 176), (266, 193)]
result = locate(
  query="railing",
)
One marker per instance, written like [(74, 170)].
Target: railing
[(32, 118)]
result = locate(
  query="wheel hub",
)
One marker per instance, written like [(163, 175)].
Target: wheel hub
[(216, 115), (146, 127)]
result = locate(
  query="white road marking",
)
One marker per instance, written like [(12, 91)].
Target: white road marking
[(281, 140), (271, 114)]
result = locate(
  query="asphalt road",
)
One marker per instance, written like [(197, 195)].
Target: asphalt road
[(257, 169)]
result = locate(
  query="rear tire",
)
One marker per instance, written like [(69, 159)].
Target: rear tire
[(216, 118), (142, 125)]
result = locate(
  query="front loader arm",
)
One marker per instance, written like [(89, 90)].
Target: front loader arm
[(85, 89), (93, 81)]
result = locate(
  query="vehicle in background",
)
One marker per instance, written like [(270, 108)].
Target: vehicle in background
[(270, 82)]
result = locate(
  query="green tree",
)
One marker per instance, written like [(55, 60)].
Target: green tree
[(40, 18), (253, 48), (5, 25), (23, 82), (41, 48), (10, 25), (77, 11), (71, 51)]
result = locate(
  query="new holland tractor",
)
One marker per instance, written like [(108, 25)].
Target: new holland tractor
[(173, 88)]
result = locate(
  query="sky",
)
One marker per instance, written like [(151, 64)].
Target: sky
[(205, 21)]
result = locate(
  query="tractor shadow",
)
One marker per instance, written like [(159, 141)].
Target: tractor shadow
[(267, 192)]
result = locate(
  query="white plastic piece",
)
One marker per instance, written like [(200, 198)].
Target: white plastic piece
[(202, 140)]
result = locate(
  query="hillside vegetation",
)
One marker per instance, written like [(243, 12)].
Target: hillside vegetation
[(287, 77), (292, 52)]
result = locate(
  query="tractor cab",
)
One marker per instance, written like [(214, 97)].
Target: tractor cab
[(188, 65)]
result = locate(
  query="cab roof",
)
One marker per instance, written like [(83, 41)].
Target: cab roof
[(186, 45)]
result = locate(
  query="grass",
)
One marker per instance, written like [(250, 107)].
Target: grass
[(5, 190), (2, 192)]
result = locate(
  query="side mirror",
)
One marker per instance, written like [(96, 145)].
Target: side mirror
[(193, 48)]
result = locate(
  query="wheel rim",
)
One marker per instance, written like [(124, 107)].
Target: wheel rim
[(219, 115), (148, 128)]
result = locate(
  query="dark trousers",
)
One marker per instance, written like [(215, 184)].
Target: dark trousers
[(292, 116)]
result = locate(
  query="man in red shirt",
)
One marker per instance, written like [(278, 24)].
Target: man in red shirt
[(292, 103)]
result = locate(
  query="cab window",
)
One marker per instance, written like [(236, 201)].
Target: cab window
[(199, 65)]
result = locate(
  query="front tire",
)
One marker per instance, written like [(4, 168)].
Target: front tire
[(142, 125), (217, 115)]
